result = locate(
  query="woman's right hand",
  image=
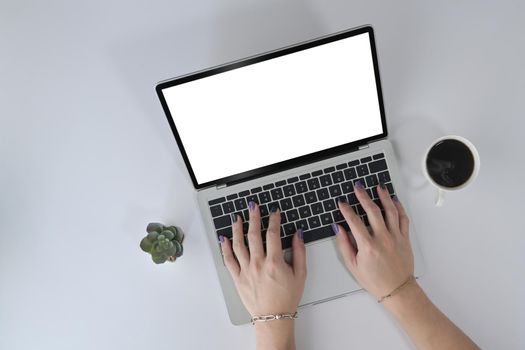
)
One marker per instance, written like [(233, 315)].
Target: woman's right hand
[(382, 258)]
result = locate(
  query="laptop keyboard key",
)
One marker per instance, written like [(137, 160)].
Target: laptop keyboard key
[(338, 216), (347, 187), (371, 180), (379, 156), (301, 187), (252, 198), (314, 222), (289, 229), (301, 224), (264, 210), (256, 190), (353, 163), (310, 197), (226, 232), (286, 242), (317, 173), (298, 201), (329, 205), (329, 169), (352, 199), (323, 194), (390, 188), (264, 197), (244, 193), (232, 196), (317, 208), (384, 177), (305, 212), (289, 190), (277, 194), (305, 176), (318, 233), (240, 203), (216, 210), (274, 206), (362, 170), (222, 221), (268, 187), (377, 166), (335, 190), (292, 215), (337, 177), (341, 166), (326, 219), (292, 179), (286, 204), (228, 207), (280, 183), (326, 180), (350, 174), (366, 160), (313, 184), (283, 218), (217, 201)]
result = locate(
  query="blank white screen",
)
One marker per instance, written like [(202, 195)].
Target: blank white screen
[(278, 109)]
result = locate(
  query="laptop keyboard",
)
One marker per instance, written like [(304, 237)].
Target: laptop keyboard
[(308, 201)]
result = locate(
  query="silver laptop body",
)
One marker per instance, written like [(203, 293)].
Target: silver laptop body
[(201, 108)]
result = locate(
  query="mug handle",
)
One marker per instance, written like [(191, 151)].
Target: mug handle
[(440, 197)]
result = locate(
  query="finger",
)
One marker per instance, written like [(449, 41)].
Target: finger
[(391, 213), (254, 232), (239, 248), (229, 259), (358, 228), (372, 210), (299, 254), (274, 249), (345, 247), (404, 222)]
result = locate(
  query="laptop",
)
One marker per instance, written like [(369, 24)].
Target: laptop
[(294, 128)]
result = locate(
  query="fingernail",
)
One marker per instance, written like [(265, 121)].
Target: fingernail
[(274, 209), (335, 228), (234, 217), (359, 185), (300, 232), (251, 205), (341, 200), (221, 238), (382, 185), (395, 199)]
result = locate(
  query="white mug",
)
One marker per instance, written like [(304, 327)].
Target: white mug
[(440, 195)]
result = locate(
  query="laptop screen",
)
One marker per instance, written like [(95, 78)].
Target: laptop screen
[(252, 116)]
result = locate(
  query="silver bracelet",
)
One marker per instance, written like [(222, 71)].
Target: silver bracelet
[(267, 318)]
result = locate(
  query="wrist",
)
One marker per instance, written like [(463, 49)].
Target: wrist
[(278, 334), (412, 295)]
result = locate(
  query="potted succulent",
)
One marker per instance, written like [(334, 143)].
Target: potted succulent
[(162, 242)]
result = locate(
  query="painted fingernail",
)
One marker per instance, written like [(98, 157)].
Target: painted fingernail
[(234, 217), (221, 238), (395, 199), (251, 205), (359, 185), (274, 209), (335, 228), (341, 200), (300, 232), (382, 185)]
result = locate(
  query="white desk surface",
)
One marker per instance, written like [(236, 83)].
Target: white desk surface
[(87, 160)]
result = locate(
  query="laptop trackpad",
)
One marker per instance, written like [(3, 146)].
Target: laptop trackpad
[(327, 276)]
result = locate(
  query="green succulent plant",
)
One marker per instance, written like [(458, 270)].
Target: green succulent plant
[(162, 242)]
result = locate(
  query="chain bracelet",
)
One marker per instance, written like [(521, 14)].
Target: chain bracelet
[(266, 318)]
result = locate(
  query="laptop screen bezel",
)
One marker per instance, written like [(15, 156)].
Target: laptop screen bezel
[(293, 162)]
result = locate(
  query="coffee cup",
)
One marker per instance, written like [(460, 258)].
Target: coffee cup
[(450, 164)]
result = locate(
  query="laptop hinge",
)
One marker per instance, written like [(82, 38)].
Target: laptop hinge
[(221, 186), (364, 146)]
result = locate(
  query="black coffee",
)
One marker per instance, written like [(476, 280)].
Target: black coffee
[(450, 163)]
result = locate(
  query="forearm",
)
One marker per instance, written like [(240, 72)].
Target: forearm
[(428, 327), (275, 335)]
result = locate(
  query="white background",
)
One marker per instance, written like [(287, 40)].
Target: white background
[(278, 109), (87, 160)]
